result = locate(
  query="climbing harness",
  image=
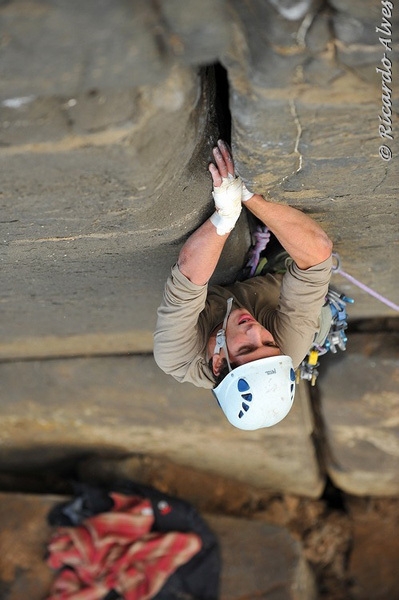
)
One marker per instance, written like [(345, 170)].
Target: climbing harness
[(335, 303), (336, 337), (259, 264)]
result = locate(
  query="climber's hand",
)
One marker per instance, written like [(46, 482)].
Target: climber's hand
[(224, 171), (227, 190), (224, 162)]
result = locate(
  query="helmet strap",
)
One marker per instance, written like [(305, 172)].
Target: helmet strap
[(221, 334)]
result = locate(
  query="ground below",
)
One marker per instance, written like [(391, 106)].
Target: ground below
[(350, 543)]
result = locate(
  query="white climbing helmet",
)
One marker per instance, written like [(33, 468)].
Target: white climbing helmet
[(257, 394)]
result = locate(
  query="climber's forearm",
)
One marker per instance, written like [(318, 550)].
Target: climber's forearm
[(201, 252), (304, 240)]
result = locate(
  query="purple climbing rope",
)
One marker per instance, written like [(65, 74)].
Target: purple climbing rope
[(362, 286), (260, 239)]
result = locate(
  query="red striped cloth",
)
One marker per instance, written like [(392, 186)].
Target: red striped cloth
[(116, 550)]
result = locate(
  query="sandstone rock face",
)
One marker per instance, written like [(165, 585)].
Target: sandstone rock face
[(375, 548), (108, 116), (98, 191), (360, 403), (306, 129), (122, 405), (108, 113), (278, 568), (107, 129), (23, 540)]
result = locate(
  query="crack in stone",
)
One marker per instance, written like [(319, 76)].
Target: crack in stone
[(304, 28), (299, 133), (294, 115), (381, 182)]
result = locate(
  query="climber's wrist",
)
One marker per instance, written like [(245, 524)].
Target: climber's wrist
[(246, 194), (224, 223)]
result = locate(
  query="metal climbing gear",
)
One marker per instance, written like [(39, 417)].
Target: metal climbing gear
[(336, 337)]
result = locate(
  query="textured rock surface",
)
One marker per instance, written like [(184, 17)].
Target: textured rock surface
[(305, 128), (375, 554), (70, 407), (108, 115), (24, 535), (90, 214), (360, 404), (106, 131), (277, 568), (108, 112)]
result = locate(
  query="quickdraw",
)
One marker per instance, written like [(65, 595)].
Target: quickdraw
[(336, 337)]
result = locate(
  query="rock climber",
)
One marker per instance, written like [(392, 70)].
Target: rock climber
[(244, 340)]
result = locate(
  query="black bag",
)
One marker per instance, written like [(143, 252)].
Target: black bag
[(198, 579)]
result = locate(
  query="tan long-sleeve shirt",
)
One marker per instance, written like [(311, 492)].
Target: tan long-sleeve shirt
[(289, 306)]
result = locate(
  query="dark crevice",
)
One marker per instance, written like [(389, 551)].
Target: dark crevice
[(332, 496), (222, 108), (374, 325)]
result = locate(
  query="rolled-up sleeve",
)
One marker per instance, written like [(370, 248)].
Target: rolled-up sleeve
[(297, 318), (177, 346)]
